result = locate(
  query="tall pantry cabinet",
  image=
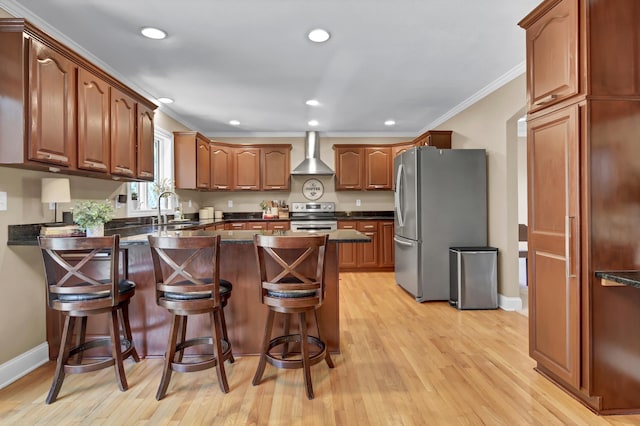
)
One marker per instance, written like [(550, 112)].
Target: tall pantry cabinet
[(583, 93)]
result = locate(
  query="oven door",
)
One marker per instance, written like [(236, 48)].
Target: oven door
[(314, 225)]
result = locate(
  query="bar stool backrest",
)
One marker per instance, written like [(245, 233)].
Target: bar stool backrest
[(81, 273), (291, 269)]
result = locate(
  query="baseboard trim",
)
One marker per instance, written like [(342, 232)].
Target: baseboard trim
[(23, 364), (509, 303)]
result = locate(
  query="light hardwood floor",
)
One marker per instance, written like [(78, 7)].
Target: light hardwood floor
[(402, 363)]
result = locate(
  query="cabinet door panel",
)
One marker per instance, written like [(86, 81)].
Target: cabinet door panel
[(552, 55), (123, 134), (275, 168), (553, 157), (93, 122), (53, 113), (348, 162), (347, 252), (221, 167), (387, 245), (378, 165), (246, 168), (203, 163), (145, 154)]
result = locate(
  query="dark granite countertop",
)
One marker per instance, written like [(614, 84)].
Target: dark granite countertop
[(630, 278), (26, 235), (246, 237)]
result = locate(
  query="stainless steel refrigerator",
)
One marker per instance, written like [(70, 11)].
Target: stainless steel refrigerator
[(440, 202)]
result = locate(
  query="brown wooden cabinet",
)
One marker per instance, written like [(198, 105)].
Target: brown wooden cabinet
[(367, 254), (94, 140), (52, 106), (145, 149), (583, 126), (348, 165), (123, 134), (276, 168), (378, 167), (553, 143), (386, 230), (552, 55), (347, 252), (191, 160), (374, 256), (279, 226), (399, 149), (246, 168), (78, 119), (440, 139), (221, 167)]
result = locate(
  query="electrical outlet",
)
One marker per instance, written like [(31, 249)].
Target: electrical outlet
[(52, 206), (230, 203), (3, 201), (189, 203), (358, 203)]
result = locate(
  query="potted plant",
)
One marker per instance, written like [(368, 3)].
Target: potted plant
[(92, 215)]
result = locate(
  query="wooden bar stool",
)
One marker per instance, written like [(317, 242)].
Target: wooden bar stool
[(188, 283), (292, 282), (83, 279)]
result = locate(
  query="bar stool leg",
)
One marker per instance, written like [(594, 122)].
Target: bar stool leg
[(223, 326), (285, 331), (116, 349), (126, 327), (265, 347), (182, 336), (82, 333), (327, 356), (304, 349), (168, 358), (63, 357), (217, 344)]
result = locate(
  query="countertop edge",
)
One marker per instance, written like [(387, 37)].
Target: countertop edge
[(628, 278)]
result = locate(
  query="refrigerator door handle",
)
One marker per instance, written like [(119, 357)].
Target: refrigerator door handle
[(402, 243), (397, 195)]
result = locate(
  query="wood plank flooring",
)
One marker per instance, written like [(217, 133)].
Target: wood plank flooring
[(402, 363)]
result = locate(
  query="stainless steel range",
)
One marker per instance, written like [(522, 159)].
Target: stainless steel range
[(313, 216)]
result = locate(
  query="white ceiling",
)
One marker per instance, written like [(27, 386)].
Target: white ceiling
[(414, 61)]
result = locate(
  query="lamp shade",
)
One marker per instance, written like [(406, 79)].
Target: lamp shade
[(55, 190)]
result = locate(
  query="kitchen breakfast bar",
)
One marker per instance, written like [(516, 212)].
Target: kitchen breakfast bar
[(245, 314)]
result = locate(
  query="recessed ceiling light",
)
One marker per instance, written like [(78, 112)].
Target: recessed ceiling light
[(389, 123), (153, 33), (165, 100), (312, 102), (234, 122), (313, 122), (318, 35)]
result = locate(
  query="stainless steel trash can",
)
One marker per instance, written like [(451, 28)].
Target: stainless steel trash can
[(473, 277)]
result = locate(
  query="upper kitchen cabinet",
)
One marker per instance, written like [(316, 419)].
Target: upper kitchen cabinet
[(436, 138), (94, 139), (400, 148), (145, 150), (52, 106), (378, 167), (246, 168), (348, 165), (192, 160), (276, 167), (221, 167), (552, 54), (59, 112), (123, 134)]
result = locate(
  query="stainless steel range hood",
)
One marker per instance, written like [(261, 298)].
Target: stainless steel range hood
[(312, 164)]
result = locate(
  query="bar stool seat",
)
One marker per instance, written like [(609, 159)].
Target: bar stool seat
[(76, 287), (292, 283)]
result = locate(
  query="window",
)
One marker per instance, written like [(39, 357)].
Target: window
[(142, 196)]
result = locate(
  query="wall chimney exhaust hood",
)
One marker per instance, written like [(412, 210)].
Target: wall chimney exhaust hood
[(312, 165)]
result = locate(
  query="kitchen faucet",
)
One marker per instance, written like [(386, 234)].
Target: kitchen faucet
[(160, 221)]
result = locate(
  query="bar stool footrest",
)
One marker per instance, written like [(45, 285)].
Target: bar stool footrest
[(280, 361), (211, 361)]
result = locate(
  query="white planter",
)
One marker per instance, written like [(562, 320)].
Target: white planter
[(96, 231)]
